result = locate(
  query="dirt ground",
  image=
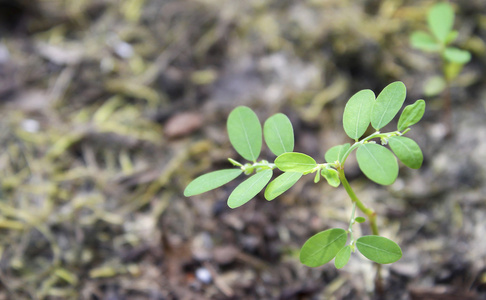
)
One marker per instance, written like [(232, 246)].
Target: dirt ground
[(109, 108)]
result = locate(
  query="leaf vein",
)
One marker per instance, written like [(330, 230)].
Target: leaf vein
[(246, 136), (326, 246), (279, 137), (375, 160), (377, 249)]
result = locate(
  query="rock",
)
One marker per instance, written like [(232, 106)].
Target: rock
[(183, 124), (203, 275), (202, 246), (224, 255)]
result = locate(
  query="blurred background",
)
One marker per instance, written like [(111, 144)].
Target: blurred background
[(109, 108)]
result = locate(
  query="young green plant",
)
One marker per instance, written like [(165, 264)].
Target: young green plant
[(438, 39), (375, 160)]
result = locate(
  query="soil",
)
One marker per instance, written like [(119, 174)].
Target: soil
[(109, 108)]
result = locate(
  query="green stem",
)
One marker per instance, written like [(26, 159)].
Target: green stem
[(448, 108), (256, 166), (447, 116), (350, 228), (370, 137), (371, 214)]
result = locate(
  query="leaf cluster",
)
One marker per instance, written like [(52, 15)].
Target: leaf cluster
[(375, 160), (245, 134), (438, 38), (322, 247)]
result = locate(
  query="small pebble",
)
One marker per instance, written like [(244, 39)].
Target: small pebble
[(183, 124), (224, 255), (30, 125), (4, 54), (124, 50), (203, 275)]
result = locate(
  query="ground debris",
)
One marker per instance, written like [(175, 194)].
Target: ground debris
[(109, 108), (441, 292)]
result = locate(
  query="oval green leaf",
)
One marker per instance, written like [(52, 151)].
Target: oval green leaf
[(441, 20), (451, 36), (434, 86), (209, 181), (245, 132), (317, 177), (322, 247), (387, 104), (249, 188), (356, 117), (411, 115), (295, 162), (342, 257), (451, 70), (407, 151), (332, 176), (377, 163), (456, 55), (281, 184), (336, 153), (379, 249), (424, 41), (279, 134), (360, 219)]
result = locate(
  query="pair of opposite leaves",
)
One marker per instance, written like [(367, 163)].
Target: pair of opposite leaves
[(322, 247)]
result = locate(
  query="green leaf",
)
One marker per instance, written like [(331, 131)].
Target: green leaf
[(434, 86), (379, 249), (279, 134), (377, 163), (456, 55), (411, 115), (387, 104), (336, 153), (249, 188), (452, 69), (317, 177), (295, 162), (360, 220), (451, 36), (322, 247), (235, 163), (209, 181), (356, 117), (332, 176), (407, 151), (424, 41), (342, 257), (281, 184), (441, 20), (245, 132)]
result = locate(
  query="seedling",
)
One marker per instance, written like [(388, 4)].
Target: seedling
[(438, 39), (375, 160)]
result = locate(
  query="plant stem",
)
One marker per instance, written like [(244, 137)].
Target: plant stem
[(366, 210), (351, 222), (370, 137), (448, 108), (447, 117), (371, 214)]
